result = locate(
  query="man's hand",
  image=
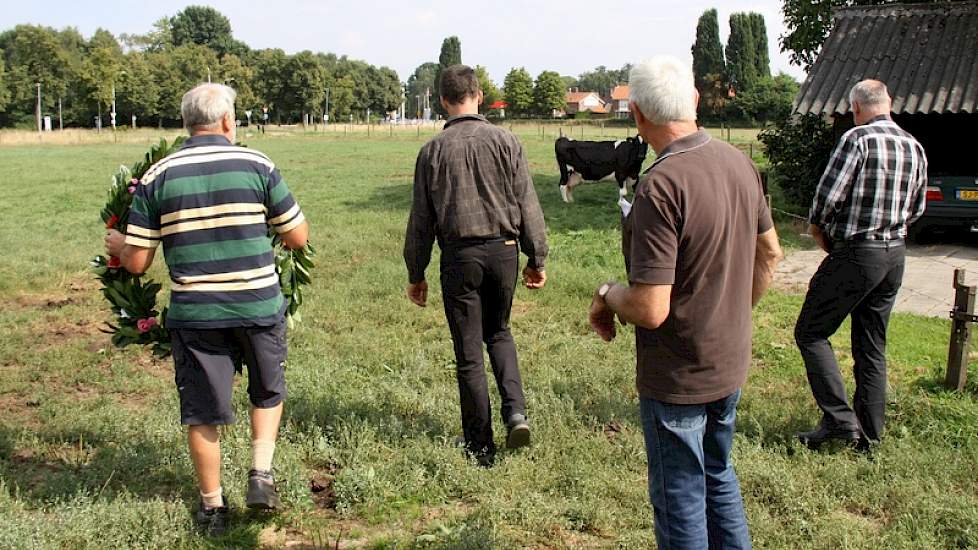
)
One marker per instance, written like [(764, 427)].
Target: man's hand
[(418, 293), (820, 238), (534, 278), (602, 318), (114, 243)]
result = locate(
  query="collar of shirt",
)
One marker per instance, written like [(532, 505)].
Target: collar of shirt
[(686, 143), (459, 118), (205, 139), (879, 118)]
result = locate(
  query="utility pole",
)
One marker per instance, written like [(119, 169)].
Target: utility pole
[(38, 84), (208, 74), (61, 124)]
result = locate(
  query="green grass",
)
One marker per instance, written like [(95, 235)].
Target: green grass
[(92, 455)]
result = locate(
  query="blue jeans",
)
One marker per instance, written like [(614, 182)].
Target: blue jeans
[(692, 484)]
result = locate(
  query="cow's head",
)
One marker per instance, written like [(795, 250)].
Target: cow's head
[(638, 150)]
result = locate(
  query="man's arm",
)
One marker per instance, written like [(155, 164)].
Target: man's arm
[(834, 186), (284, 215), (820, 238), (134, 259), (533, 231), (298, 237), (920, 199), (766, 258), (420, 235), (645, 306)]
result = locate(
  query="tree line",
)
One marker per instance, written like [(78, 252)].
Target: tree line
[(150, 72), (735, 83)]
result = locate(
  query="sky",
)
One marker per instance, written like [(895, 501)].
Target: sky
[(567, 36)]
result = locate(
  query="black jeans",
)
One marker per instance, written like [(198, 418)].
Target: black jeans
[(860, 279), (478, 280)]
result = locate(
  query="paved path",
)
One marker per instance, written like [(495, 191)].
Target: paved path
[(927, 280)]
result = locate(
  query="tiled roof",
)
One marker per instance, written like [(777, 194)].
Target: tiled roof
[(927, 54)]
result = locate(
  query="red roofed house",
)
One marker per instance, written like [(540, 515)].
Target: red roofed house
[(619, 101), (499, 106), (578, 102)]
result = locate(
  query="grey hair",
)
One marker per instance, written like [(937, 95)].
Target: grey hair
[(203, 107), (869, 93), (663, 89)]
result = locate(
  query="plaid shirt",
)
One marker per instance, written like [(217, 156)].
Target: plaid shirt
[(472, 182), (873, 186)]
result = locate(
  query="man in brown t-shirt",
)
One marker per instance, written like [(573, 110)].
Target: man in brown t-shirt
[(702, 252)]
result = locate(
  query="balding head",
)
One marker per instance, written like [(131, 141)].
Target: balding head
[(869, 99)]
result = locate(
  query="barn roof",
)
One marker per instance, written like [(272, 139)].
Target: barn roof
[(927, 54), (577, 97)]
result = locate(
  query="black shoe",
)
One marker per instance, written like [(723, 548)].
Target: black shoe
[(485, 456), (866, 445), (815, 438), (262, 494), (212, 522), (517, 432)]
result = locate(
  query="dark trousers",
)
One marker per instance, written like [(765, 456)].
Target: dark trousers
[(478, 281), (860, 279)]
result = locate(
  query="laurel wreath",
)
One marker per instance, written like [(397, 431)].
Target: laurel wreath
[(132, 298)]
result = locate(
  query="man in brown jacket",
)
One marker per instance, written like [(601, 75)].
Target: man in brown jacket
[(473, 194)]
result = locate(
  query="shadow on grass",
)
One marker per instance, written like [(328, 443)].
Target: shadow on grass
[(390, 423), (595, 206), (87, 463)]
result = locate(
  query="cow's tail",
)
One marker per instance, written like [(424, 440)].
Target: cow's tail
[(561, 163)]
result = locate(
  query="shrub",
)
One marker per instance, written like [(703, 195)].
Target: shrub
[(798, 149)]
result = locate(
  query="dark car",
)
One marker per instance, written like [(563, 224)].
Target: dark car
[(952, 203)]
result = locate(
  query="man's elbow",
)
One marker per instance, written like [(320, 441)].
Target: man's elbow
[(654, 318), (297, 237)]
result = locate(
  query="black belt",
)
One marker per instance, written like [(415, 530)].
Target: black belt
[(869, 243), (474, 241)]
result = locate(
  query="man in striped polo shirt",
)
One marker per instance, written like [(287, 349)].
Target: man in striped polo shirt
[(211, 205)]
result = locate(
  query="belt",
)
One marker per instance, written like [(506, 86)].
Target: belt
[(475, 241), (869, 243)]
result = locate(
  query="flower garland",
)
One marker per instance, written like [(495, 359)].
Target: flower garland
[(133, 299)]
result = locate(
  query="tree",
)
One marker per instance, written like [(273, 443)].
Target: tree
[(100, 72), (569, 82), (798, 152), (769, 100), (306, 83), (4, 92), (762, 56), (741, 53), (548, 93), (34, 54), (269, 67), (201, 25), (137, 92), (451, 54), (707, 49), (490, 92), (384, 89), (421, 82), (602, 80), (156, 40), (341, 97), (518, 91), (238, 75)]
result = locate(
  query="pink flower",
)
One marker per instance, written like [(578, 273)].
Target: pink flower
[(133, 181), (114, 262), (132, 189), (145, 325)]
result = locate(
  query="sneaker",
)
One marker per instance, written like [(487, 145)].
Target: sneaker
[(213, 522), (262, 494), (517, 432)]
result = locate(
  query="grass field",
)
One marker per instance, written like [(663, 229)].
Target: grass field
[(92, 455)]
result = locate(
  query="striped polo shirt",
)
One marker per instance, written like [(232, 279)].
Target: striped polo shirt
[(211, 205)]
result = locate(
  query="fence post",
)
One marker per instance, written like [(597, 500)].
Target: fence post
[(962, 314)]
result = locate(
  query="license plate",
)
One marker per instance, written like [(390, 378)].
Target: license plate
[(968, 194)]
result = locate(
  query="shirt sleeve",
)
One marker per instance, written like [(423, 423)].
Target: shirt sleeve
[(420, 235), (143, 225), (284, 213), (533, 228), (656, 227), (833, 188)]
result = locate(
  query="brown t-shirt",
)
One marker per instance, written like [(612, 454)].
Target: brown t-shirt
[(694, 225)]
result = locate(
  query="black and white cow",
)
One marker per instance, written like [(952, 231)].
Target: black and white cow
[(594, 160)]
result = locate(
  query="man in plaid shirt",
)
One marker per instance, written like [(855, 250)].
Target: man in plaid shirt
[(872, 189)]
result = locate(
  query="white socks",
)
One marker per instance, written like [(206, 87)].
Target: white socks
[(261, 454), (214, 499)]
